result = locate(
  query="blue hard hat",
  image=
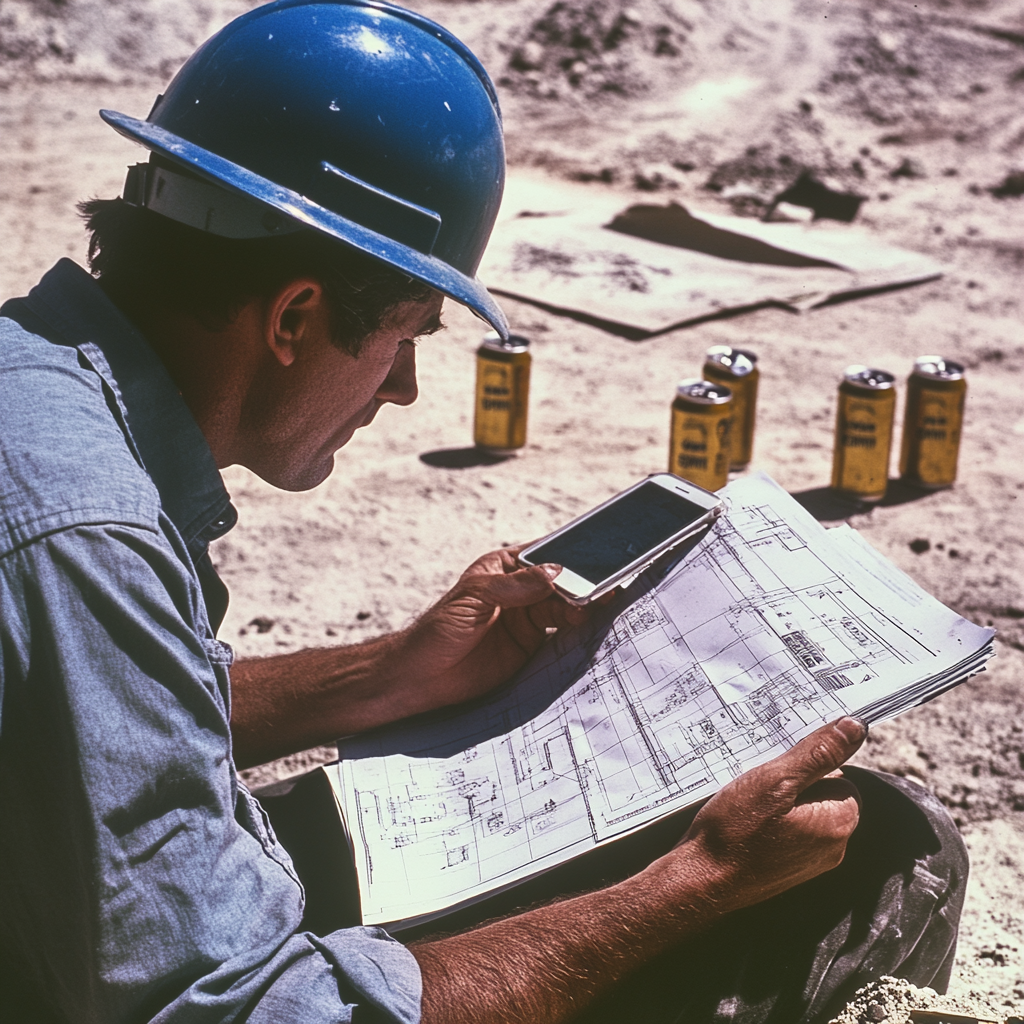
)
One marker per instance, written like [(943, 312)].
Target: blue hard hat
[(356, 118)]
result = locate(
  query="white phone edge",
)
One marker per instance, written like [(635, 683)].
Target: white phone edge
[(580, 591)]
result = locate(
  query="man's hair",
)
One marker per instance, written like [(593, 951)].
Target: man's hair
[(145, 260)]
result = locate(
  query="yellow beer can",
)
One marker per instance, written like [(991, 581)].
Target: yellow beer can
[(860, 458), (702, 426), (736, 368), (934, 417), (502, 393)]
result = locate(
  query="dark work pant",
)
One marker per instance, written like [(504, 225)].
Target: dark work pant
[(892, 907)]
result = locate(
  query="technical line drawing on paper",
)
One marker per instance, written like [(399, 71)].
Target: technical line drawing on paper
[(753, 642)]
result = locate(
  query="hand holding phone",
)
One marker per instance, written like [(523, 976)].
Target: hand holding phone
[(623, 536)]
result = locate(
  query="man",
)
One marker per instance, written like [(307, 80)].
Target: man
[(322, 175)]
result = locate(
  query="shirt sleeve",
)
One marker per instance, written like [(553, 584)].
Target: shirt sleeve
[(138, 880)]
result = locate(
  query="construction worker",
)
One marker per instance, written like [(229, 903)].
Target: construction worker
[(321, 175)]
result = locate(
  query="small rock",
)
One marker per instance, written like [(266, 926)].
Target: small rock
[(875, 1012), (263, 624), (920, 545), (655, 177), (790, 213), (605, 174), (1011, 187), (908, 168), (528, 57), (362, 616), (993, 956)]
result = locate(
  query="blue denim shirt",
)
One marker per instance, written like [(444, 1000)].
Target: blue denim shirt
[(138, 879)]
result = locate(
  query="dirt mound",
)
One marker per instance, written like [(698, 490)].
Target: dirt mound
[(928, 77), (891, 1000), (105, 40), (598, 48)]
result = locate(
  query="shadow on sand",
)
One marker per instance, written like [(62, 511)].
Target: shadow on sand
[(461, 458), (827, 505)]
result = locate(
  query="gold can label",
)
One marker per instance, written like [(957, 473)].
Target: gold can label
[(502, 393), (737, 370), (863, 440), (933, 423), (702, 428)]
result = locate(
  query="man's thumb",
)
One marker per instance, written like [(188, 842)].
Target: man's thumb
[(822, 752)]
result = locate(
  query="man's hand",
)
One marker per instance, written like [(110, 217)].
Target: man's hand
[(478, 634), (770, 829), (472, 640), (778, 825)]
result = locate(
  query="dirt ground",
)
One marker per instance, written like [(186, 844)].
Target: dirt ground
[(718, 104)]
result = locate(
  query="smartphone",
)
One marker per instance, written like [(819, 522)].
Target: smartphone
[(615, 542)]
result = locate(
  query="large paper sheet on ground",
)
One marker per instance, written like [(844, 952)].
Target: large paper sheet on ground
[(768, 628), (551, 246)]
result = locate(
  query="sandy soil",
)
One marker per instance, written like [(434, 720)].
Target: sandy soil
[(718, 104)]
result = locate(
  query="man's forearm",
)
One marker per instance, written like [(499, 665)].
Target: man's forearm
[(291, 702), (544, 966)]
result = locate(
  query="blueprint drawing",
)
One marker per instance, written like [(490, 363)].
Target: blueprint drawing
[(768, 628)]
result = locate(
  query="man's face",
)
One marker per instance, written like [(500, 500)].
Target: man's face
[(297, 418)]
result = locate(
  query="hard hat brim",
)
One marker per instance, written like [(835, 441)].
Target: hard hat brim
[(428, 269)]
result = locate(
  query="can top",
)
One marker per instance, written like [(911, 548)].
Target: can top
[(515, 343), (866, 377), (705, 392), (937, 368), (738, 361)]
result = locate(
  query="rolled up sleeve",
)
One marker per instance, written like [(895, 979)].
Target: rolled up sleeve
[(137, 879)]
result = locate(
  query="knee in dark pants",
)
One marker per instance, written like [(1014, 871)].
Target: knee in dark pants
[(891, 908), (924, 847)]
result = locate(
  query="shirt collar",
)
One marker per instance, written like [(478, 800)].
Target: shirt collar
[(172, 447)]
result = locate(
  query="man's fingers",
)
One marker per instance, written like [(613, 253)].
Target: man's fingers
[(815, 757), (830, 788), (516, 589), (828, 811), (556, 613)]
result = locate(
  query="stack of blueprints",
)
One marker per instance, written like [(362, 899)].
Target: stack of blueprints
[(766, 629)]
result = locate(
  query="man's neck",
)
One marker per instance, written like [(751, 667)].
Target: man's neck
[(211, 367)]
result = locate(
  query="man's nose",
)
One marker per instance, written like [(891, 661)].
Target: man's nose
[(400, 387)]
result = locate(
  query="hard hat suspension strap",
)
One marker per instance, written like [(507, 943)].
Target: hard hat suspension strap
[(202, 205)]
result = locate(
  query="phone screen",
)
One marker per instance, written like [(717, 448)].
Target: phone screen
[(611, 539)]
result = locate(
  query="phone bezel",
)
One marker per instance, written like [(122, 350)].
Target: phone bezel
[(579, 590)]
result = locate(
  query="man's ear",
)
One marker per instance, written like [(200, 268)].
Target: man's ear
[(291, 314)]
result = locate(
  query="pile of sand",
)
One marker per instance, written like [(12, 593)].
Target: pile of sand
[(891, 1001)]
